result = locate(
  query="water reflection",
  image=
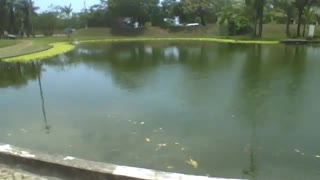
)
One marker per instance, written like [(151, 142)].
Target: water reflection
[(240, 111), (47, 127), (18, 75)]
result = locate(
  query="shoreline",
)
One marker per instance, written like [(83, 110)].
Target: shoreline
[(58, 48), (64, 47)]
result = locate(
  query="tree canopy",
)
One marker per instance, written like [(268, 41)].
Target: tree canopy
[(237, 16)]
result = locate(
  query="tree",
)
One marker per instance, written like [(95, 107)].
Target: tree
[(287, 7), (3, 15), (140, 10), (200, 8), (256, 10), (16, 15), (46, 22), (309, 17), (235, 17), (67, 10), (28, 10), (303, 6), (300, 5)]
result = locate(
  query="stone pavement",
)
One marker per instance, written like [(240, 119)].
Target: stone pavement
[(7, 173)]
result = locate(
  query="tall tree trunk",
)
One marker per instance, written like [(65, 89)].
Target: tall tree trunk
[(304, 29), (11, 19), (288, 25), (30, 18), (203, 21), (3, 17), (299, 22), (255, 24), (261, 19)]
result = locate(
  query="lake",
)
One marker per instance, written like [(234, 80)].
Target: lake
[(239, 111)]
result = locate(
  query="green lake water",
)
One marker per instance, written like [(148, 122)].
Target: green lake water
[(240, 111)]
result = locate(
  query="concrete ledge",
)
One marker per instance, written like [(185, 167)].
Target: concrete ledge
[(67, 167), (299, 41)]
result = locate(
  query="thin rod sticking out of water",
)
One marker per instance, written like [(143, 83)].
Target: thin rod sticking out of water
[(47, 127)]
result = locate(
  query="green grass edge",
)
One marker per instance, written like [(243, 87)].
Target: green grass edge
[(64, 47)]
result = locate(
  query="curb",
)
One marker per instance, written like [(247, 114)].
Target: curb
[(67, 167)]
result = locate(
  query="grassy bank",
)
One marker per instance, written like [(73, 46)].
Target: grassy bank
[(271, 32), (55, 49), (6, 43), (44, 47)]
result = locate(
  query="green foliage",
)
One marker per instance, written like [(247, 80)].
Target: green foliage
[(147, 24), (140, 10), (46, 22), (233, 16), (199, 8)]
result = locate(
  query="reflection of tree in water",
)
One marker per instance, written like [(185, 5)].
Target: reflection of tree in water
[(16, 74), (251, 79), (47, 127), (19, 74), (257, 79)]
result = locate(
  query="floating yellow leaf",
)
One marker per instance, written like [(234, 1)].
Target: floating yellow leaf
[(148, 140), (317, 156), (193, 163)]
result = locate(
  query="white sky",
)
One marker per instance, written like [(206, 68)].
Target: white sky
[(77, 5)]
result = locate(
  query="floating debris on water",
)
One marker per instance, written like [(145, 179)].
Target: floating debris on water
[(170, 167), (162, 145), (297, 150), (317, 156), (148, 140), (193, 163), (23, 130), (176, 143), (129, 120), (142, 123)]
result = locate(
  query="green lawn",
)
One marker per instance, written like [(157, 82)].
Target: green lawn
[(5, 43), (12, 48), (27, 46), (270, 32)]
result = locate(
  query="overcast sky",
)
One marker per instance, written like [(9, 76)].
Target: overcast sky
[(77, 5)]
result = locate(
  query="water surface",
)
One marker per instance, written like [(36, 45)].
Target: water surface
[(240, 111)]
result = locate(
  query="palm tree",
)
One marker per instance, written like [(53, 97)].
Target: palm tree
[(3, 15), (67, 10)]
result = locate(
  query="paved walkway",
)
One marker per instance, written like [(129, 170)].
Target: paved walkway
[(7, 173)]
